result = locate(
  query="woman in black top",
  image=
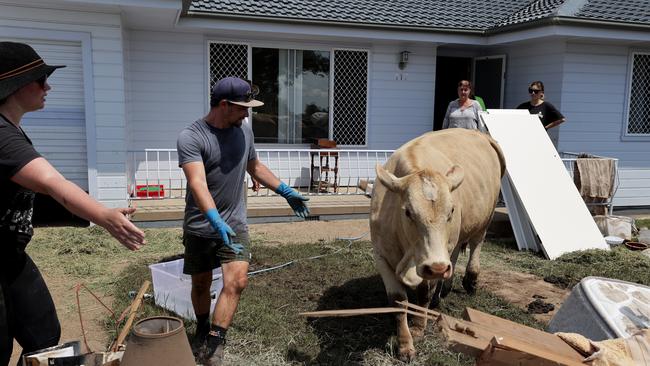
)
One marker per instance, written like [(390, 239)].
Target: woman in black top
[(27, 312), (548, 114)]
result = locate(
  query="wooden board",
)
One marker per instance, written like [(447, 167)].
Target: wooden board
[(510, 351), (542, 341), (550, 198)]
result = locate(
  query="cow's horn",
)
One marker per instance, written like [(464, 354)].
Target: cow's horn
[(391, 182)]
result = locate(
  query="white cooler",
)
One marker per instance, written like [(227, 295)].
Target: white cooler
[(602, 308), (172, 288)]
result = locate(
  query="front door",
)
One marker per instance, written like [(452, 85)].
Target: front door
[(489, 78)]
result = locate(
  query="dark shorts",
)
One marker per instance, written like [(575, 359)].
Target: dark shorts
[(206, 254)]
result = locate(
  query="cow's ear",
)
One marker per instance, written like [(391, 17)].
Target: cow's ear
[(390, 181), (455, 176)]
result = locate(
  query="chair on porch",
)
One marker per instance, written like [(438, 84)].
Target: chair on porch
[(324, 167)]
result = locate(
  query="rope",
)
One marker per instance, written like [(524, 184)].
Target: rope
[(77, 288)]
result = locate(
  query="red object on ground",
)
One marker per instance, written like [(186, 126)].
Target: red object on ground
[(150, 190)]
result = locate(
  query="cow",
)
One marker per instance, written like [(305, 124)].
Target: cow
[(435, 195)]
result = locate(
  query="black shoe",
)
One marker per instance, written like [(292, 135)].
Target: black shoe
[(198, 343), (212, 357)]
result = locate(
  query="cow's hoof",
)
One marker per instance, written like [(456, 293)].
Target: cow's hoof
[(470, 282), (406, 354)]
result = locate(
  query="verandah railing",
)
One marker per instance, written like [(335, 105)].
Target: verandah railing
[(154, 173)]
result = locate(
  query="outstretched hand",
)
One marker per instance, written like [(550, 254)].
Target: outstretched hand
[(295, 200), (223, 229), (116, 222)]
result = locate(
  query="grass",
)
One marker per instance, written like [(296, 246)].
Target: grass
[(268, 330), (642, 223)]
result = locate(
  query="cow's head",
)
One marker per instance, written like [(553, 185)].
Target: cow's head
[(429, 214)]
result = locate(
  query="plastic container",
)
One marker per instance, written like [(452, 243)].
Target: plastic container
[(602, 308), (172, 288), (150, 190), (614, 240)]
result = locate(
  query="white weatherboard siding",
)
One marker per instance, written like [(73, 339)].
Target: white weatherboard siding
[(593, 100), (167, 79), (400, 101), (105, 58)]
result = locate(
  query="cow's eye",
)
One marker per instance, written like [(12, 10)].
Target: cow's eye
[(451, 214), (407, 213)]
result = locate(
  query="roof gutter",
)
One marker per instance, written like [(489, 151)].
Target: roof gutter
[(256, 18), (559, 20)]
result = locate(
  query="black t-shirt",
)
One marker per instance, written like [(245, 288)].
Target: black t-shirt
[(16, 202), (546, 111)]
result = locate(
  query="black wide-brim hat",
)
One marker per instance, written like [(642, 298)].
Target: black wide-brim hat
[(19, 66)]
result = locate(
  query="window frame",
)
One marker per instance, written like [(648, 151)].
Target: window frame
[(625, 135), (303, 47)]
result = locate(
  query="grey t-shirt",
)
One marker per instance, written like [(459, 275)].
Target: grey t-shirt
[(463, 118), (225, 154)]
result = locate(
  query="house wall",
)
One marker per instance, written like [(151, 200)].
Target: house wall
[(401, 101), (107, 112), (594, 100), (167, 75)]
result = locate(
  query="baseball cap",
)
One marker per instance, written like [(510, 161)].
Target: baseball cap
[(236, 91)]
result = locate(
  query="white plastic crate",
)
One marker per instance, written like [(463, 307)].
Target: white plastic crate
[(172, 289)]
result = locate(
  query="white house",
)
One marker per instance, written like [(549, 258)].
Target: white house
[(140, 70)]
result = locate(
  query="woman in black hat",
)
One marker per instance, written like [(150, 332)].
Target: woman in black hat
[(27, 311)]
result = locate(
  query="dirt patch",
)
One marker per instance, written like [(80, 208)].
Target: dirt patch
[(521, 289), (517, 288), (310, 231)]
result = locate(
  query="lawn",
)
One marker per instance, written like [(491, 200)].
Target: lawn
[(268, 330)]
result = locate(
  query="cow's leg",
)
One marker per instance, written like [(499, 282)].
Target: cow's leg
[(424, 293), (470, 280), (447, 284), (397, 292)]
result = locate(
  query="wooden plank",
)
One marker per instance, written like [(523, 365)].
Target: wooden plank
[(463, 336), (433, 313), (511, 351), (363, 311), (534, 337)]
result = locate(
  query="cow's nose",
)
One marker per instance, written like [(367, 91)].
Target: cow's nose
[(436, 270)]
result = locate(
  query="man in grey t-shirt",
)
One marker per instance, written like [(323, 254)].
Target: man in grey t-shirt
[(215, 152)]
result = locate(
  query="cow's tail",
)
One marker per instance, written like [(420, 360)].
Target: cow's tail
[(497, 148)]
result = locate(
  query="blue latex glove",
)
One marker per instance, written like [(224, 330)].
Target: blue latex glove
[(295, 200), (224, 230)]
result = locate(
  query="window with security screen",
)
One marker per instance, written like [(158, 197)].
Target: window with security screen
[(638, 119), (296, 88), (227, 59), (350, 97)]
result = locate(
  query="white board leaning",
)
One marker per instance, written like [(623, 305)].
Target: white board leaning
[(542, 187)]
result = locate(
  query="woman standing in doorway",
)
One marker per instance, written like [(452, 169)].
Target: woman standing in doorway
[(548, 114), (464, 111)]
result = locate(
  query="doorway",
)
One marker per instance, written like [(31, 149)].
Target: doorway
[(449, 71), (489, 77)]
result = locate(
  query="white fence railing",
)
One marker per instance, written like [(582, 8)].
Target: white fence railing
[(154, 173)]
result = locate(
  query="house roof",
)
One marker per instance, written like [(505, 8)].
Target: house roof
[(459, 15)]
